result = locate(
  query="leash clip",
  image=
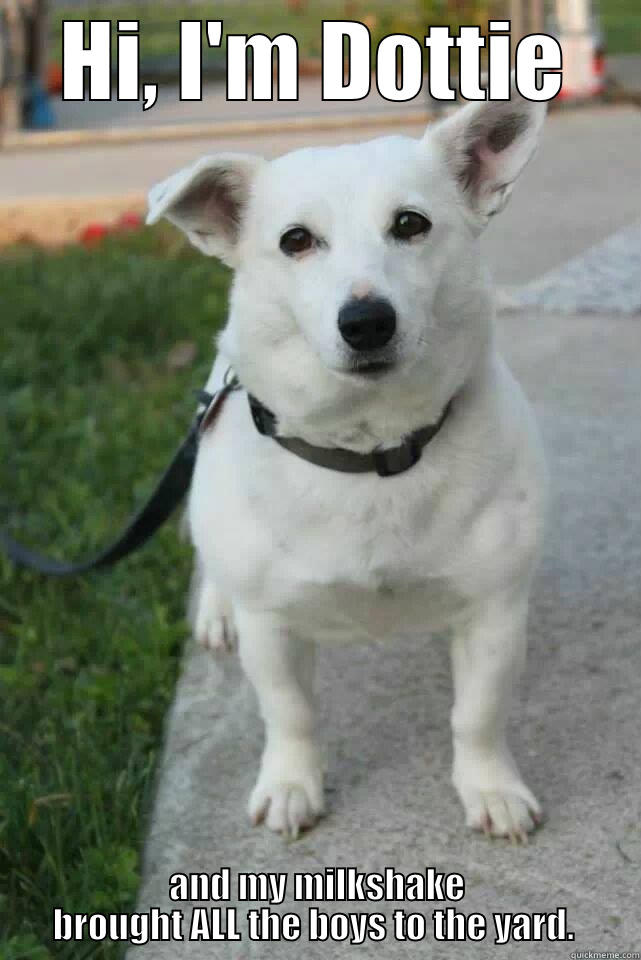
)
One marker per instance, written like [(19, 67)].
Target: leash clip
[(215, 401), (230, 380)]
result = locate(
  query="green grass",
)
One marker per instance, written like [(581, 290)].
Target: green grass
[(621, 22), (159, 30), (159, 24), (91, 412)]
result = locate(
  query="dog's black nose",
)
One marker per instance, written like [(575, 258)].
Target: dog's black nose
[(368, 323)]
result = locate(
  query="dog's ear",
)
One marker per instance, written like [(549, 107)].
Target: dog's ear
[(207, 201), (486, 146)]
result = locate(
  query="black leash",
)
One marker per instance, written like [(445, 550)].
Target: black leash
[(176, 479), (169, 491)]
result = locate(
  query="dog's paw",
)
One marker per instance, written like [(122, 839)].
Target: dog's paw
[(213, 628), (502, 813), (287, 798), (287, 808), (495, 799), (216, 633)]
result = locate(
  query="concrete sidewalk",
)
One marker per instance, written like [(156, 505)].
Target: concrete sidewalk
[(214, 107), (384, 710), (583, 185), (623, 69), (385, 707)]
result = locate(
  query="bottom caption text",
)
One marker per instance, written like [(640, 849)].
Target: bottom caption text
[(202, 921)]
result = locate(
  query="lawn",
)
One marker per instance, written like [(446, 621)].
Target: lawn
[(621, 22), (620, 19), (159, 30), (159, 23), (95, 397)]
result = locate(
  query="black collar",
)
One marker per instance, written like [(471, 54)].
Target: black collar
[(386, 463)]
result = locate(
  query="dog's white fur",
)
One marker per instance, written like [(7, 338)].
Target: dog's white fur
[(289, 553)]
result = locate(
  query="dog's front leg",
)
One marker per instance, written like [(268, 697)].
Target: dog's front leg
[(487, 656), (288, 794)]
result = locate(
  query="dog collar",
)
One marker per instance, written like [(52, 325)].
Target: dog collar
[(386, 463)]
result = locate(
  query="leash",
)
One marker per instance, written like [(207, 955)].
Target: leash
[(175, 481), (170, 490)]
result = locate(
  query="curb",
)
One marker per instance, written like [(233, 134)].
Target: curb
[(603, 279), (193, 131), (56, 221)]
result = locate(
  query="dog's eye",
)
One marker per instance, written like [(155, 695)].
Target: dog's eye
[(408, 224), (296, 240)]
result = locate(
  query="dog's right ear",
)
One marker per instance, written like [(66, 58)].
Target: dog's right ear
[(486, 146), (206, 201)]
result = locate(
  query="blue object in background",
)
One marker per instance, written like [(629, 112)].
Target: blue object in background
[(38, 113)]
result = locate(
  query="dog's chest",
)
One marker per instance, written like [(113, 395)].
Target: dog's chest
[(366, 569), (338, 556)]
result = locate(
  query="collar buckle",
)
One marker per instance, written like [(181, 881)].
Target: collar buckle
[(388, 463)]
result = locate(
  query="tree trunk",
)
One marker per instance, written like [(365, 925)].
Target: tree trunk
[(12, 91)]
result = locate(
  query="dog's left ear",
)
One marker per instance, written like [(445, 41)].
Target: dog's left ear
[(207, 201), (486, 146)]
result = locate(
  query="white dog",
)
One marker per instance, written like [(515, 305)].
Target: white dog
[(360, 315)]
